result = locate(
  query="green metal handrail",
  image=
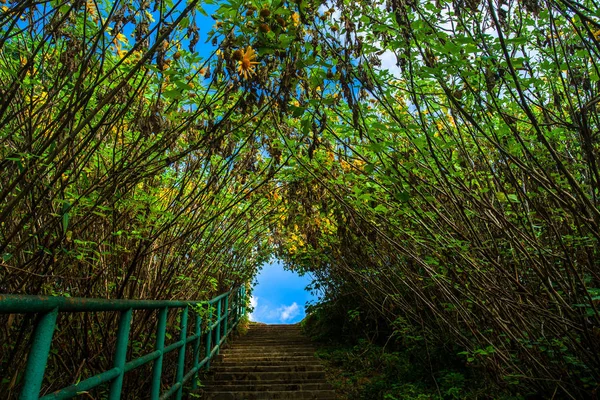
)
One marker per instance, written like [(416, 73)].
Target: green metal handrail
[(48, 308)]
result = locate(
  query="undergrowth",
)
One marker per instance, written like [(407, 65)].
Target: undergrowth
[(363, 364)]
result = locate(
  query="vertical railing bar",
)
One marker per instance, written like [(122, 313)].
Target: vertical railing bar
[(218, 336), (121, 354), (243, 300), (226, 319), (197, 349), (233, 309), (209, 335), (238, 306), (161, 329), (181, 361), (38, 355)]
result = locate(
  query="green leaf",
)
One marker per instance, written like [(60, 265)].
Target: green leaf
[(402, 196), (381, 208), (66, 206), (297, 111), (513, 198), (306, 125), (172, 94), (376, 147), (65, 222)]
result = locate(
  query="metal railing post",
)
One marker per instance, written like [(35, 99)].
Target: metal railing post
[(226, 320), (238, 304), (234, 308), (218, 337), (181, 361), (236, 317), (161, 329), (209, 336), (243, 302), (38, 355), (121, 354), (197, 350)]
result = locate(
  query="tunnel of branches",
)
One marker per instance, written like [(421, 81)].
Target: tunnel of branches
[(434, 166)]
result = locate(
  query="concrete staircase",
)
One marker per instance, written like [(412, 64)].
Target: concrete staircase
[(269, 362)]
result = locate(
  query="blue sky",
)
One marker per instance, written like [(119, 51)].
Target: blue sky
[(279, 296)]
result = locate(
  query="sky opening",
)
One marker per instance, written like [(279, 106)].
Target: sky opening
[(279, 296)]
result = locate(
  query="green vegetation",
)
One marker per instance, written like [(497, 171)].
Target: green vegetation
[(450, 194), (398, 363), (366, 371)]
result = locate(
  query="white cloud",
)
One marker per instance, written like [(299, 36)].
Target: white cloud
[(388, 62), (288, 312), (254, 305), (264, 312)]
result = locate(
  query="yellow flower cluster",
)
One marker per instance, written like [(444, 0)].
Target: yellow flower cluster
[(246, 65)]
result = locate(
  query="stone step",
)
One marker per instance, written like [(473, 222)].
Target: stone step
[(260, 343), (291, 340), (309, 361), (268, 358), (219, 383), (271, 337), (268, 349), (260, 351), (275, 386), (275, 337), (258, 346), (271, 395), (262, 376), (284, 367)]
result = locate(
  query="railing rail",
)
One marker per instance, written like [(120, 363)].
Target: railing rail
[(227, 317)]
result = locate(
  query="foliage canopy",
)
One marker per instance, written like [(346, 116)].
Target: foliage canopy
[(436, 160)]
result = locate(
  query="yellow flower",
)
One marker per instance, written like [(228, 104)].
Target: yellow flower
[(296, 19), (121, 38), (246, 64), (91, 9)]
